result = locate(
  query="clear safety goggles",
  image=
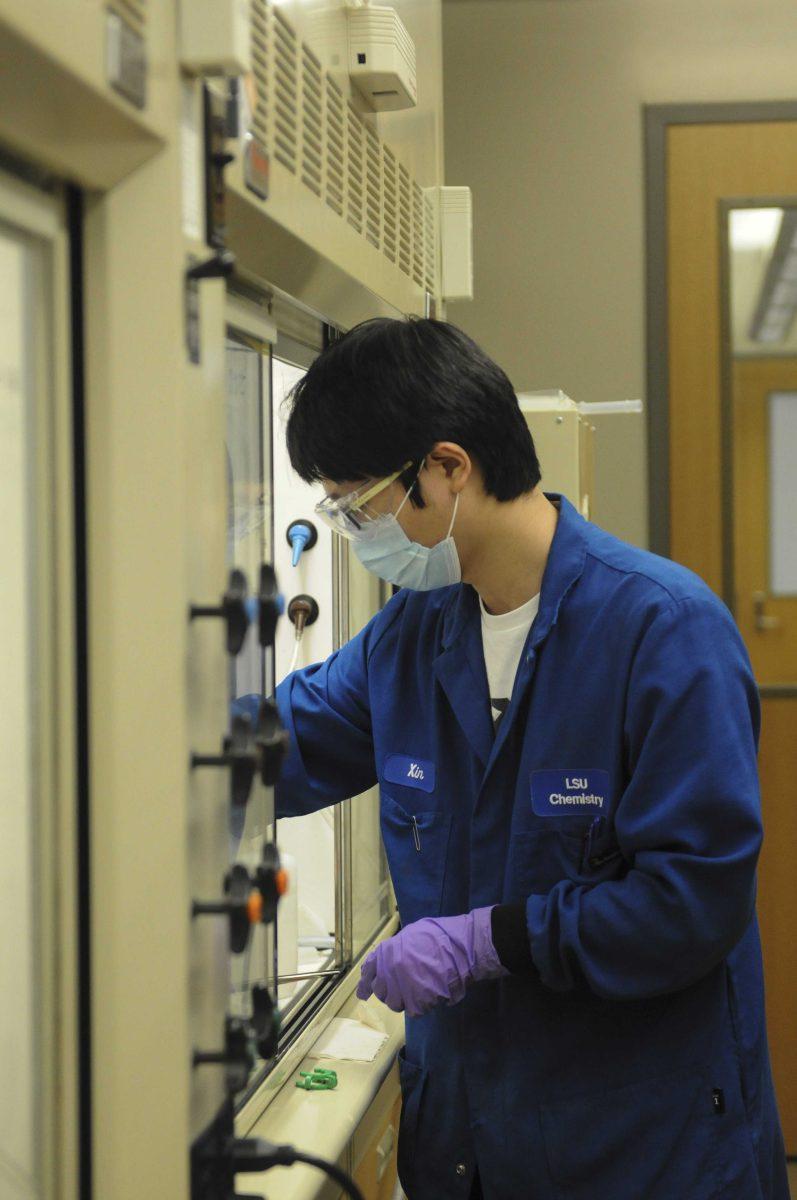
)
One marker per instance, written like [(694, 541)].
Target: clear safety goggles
[(349, 515)]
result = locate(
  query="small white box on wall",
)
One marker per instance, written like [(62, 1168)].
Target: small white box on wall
[(455, 209), (215, 37), (382, 58)]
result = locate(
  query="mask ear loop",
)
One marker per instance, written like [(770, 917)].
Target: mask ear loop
[(407, 496), (409, 489), (453, 516)]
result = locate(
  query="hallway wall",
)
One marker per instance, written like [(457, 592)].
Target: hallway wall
[(543, 112)]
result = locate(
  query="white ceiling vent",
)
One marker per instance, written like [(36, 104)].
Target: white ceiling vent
[(382, 58)]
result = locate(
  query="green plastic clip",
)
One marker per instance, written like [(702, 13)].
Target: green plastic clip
[(318, 1080)]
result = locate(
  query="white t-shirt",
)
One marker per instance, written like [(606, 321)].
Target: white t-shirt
[(503, 638)]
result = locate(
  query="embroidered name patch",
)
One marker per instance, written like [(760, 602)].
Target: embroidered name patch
[(409, 772), (569, 793)]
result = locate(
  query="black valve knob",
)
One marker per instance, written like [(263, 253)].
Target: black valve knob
[(302, 611), (237, 1054), (272, 605), (244, 906), (219, 266), (271, 738), (265, 1021), (232, 609), (246, 750), (221, 159), (240, 754)]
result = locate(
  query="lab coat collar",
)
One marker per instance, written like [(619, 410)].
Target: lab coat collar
[(461, 671), (563, 568), (460, 667)]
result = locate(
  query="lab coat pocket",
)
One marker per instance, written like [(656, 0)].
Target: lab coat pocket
[(413, 1080), (541, 858), (538, 859), (416, 844), (659, 1138)]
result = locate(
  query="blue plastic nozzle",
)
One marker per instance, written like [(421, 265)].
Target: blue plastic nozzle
[(300, 536)]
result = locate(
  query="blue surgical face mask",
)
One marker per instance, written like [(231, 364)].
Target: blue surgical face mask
[(383, 547)]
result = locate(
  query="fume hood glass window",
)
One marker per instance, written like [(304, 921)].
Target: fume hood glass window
[(249, 544), (310, 922), (339, 893), (371, 896)]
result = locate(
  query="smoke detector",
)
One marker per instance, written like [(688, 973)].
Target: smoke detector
[(382, 58)]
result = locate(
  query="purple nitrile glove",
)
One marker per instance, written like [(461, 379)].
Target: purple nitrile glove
[(431, 962)]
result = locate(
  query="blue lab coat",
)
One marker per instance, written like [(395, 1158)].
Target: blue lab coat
[(619, 803)]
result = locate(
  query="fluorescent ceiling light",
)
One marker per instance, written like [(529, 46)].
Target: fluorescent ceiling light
[(755, 228)]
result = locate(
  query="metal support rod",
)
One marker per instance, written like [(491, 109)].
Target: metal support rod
[(308, 975), (340, 616), (202, 610), (209, 1056), (209, 760)]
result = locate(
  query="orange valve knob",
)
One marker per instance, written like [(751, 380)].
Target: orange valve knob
[(271, 881), (254, 907), (236, 906)]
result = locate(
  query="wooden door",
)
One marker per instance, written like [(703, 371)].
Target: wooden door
[(708, 164)]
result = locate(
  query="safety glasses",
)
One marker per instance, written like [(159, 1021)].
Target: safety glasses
[(346, 515)]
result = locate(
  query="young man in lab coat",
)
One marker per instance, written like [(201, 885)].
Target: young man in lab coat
[(563, 729)]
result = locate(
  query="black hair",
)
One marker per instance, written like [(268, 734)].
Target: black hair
[(387, 391)]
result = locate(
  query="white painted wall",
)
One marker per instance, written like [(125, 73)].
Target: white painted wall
[(543, 120)]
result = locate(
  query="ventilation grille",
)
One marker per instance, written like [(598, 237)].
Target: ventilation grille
[(260, 64), (405, 220), (373, 189), (133, 12), (286, 76), (307, 124), (418, 243), (355, 175), (312, 122), (336, 146), (429, 242), (389, 203)]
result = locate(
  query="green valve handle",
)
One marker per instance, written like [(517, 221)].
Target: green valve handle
[(318, 1080)]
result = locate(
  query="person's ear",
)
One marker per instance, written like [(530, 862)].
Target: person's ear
[(451, 462)]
